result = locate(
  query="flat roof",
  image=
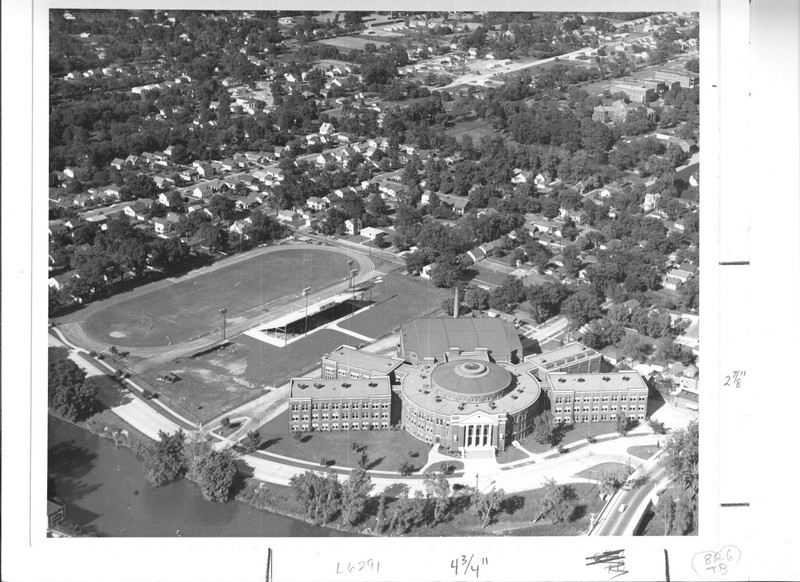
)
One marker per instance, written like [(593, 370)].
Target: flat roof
[(316, 388), (612, 382), (350, 356), (571, 352), (435, 336)]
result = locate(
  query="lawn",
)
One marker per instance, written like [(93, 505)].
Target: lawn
[(642, 451), (594, 472), (190, 307), (457, 467), (395, 301), (387, 450), (348, 43), (571, 434), (476, 128), (510, 455), (268, 365)]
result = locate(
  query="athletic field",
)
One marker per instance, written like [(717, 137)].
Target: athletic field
[(191, 307)]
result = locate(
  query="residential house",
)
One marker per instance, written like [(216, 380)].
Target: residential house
[(290, 217), (352, 225), (316, 203), (522, 177), (371, 233), (117, 163), (458, 204)]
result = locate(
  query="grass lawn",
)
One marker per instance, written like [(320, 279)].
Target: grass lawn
[(397, 300), (269, 365), (510, 455), (190, 307), (477, 128), (594, 472), (573, 433), (458, 467), (387, 450), (642, 452)]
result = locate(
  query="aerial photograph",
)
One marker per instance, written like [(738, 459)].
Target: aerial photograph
[(374, 274)]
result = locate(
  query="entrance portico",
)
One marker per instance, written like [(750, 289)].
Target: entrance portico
[(479, 434)]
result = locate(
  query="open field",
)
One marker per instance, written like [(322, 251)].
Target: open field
[(476, 128), (208, 385), (386, 449), (190, 307), (348, 43)]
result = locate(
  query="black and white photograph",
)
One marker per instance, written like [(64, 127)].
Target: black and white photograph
[(341, 278)]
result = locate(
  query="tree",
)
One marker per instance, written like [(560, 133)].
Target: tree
[(222, 206), (217, 475), (692, 65), (438, 487), (168, 254), (252, 441), (317, 496), (665, 509), (581, 308), (684, 516), (447, 272), (543, 428), (622, 424), (69, 392), (263, 228), (164, 461), (213, 237), (380, 518), (557, 502), (681, 458), (476, 297), (355, 494), (486, 505)]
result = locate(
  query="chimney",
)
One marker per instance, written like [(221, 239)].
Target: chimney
[(455, 305)]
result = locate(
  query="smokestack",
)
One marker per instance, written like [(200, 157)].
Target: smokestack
[(455, 305)]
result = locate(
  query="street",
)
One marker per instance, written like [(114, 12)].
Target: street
[(616, 523)]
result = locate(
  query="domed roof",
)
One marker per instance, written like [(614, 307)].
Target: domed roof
[(470, 378)]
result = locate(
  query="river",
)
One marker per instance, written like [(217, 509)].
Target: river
[(105, 490)]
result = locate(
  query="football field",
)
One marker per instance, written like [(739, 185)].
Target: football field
[(190, 307)]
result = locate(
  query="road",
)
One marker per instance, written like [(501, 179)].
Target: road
[(130, 409), (614, 523)]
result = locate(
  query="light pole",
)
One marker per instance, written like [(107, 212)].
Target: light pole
[(306, 291), (223, 312), (476, 482), (349, 271)]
